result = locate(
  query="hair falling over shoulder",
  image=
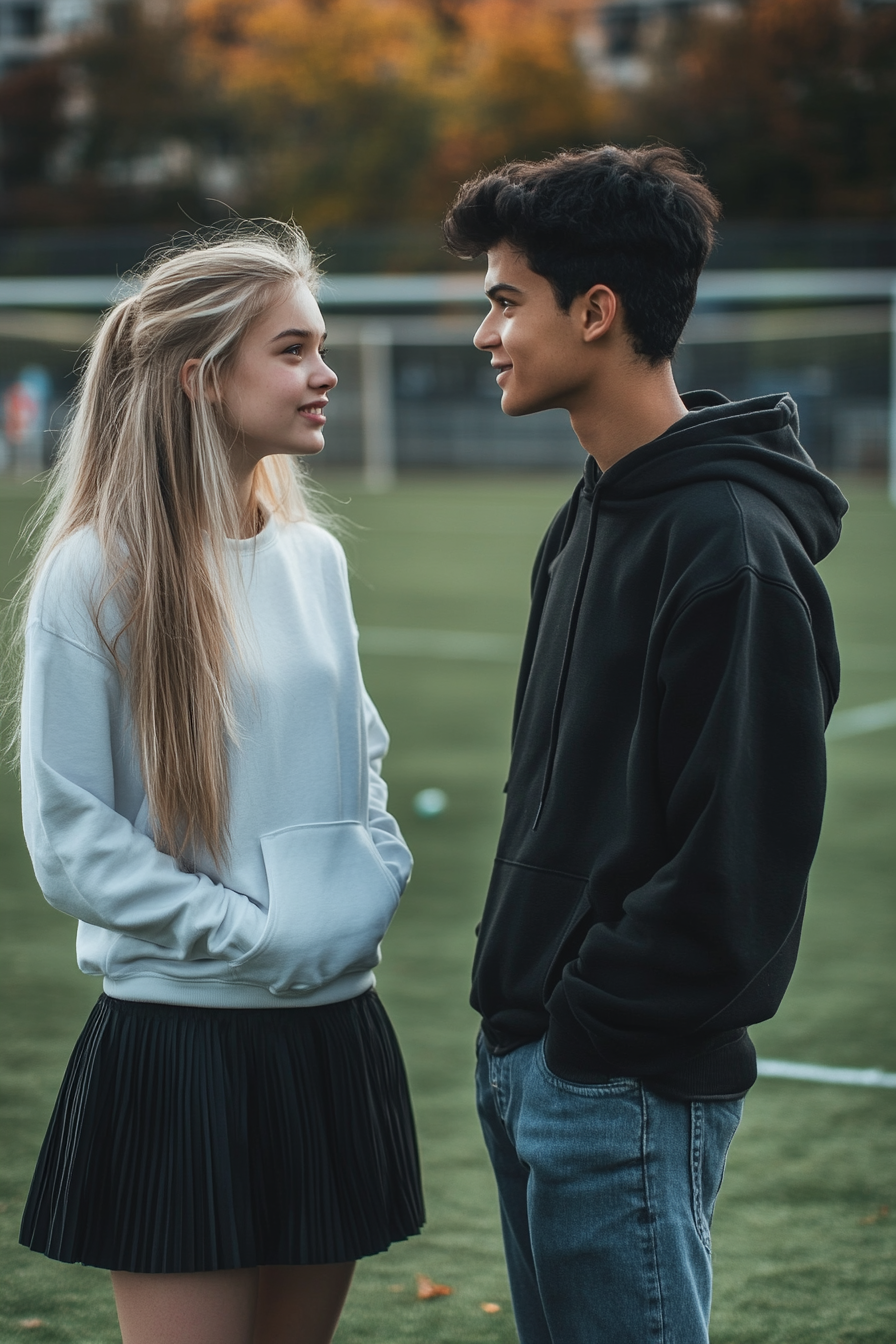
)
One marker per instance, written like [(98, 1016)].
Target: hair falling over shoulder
[(146, 467)]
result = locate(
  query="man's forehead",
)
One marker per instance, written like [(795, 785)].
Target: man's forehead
[(507, 268)]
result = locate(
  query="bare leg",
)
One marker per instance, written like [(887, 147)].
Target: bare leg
[(300, 1304), (213, 1308)]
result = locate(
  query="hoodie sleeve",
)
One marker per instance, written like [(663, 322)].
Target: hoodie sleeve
[(708, 944), (383, 827), (91, 861)]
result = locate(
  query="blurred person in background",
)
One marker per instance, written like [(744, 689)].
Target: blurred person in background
[(202, 791), (667, 777)]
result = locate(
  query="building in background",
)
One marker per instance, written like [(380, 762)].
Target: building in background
[(32, 30), (615, 38), (37, 29)]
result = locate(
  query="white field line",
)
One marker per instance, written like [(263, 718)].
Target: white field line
[(820, 1073), (476, 646), (865, 719), (460, 644)]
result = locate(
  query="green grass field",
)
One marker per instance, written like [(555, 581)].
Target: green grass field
[(804, 1252)]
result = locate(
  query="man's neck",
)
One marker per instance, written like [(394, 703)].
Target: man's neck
[(629, 406)]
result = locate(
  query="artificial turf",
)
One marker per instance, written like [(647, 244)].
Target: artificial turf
[(803, 1248)]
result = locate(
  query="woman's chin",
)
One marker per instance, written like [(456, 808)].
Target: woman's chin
[(311, 449)]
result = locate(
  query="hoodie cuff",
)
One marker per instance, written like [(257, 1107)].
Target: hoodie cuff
[(569, 1051)]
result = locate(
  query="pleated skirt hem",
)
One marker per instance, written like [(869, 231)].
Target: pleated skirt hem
[(192, 1139)]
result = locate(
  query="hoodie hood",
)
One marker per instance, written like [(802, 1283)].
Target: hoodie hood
[(754, 443)]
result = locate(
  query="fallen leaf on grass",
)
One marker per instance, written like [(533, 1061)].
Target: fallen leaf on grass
[(426, 1288), (32, 1323), (490, 1307), (883, 1212), (396, 1287)]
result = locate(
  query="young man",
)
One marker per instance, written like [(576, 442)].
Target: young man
[(668, 770)]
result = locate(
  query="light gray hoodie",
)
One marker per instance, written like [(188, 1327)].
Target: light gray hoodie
[(316, 863)]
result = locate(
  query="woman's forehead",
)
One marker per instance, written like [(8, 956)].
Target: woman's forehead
[(293, 309)]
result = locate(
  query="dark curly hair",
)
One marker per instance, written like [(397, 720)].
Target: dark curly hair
[(640, 221)]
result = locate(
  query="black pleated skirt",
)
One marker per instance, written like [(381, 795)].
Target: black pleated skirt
[(189, 1139)]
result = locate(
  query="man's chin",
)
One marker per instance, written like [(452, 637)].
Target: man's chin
[(514, 405)]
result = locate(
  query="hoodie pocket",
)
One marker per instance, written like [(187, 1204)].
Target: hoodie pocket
[(533, 924), (331, 900)]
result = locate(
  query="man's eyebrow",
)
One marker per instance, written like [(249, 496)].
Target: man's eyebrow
[(494, 290), (296, 331)]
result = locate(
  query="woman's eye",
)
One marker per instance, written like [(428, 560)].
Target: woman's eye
[(324, 351), (293, 350)]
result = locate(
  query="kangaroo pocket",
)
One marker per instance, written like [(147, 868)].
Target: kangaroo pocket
[(534, 921), (331, 901)]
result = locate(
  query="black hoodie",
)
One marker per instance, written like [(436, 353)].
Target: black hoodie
[(667, 779)]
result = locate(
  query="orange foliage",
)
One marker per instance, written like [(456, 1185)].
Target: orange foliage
[(426, 1289), (515, 88), (373, 109), (305, 51)]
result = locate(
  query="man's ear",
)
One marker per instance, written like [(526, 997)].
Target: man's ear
[(597, 312)]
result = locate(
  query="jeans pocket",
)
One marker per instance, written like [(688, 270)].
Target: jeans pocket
[(713, 1126)]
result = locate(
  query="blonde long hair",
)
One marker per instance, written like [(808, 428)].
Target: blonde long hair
[(146, 468)]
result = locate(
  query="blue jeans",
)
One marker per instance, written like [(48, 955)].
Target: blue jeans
[(606, 1195)]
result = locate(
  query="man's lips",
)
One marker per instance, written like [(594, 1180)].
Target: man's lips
[(500, 370)]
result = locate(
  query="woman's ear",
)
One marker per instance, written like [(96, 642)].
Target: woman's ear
[(188, 381), (188, 377)]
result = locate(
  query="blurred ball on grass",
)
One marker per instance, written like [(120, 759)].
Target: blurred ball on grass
[(430, 803)]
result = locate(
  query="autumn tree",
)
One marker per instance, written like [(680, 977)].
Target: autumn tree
[(790, 105), (334, 99), (513, 87), (33, 124), (119, 127), (367, 111), (152, 127), (344, 112)]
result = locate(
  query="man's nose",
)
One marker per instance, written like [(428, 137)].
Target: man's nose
[(485, 339)]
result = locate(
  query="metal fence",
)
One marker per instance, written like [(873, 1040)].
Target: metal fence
[(414, 393), (826, 336)]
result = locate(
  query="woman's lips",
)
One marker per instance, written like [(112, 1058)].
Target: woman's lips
[(502, 369), (315, 414)]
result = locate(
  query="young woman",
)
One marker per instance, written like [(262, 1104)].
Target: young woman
[(202, 791)]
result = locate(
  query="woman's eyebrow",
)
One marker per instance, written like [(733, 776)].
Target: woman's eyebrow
[(296, 331)]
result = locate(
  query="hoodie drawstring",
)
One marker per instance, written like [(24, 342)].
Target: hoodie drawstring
[(567, 653)]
